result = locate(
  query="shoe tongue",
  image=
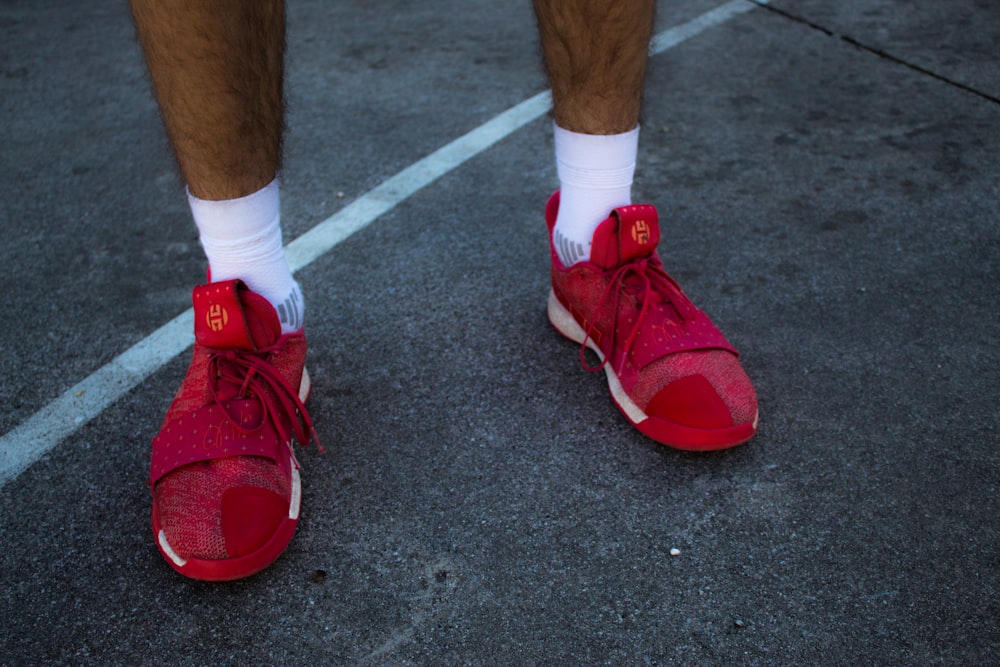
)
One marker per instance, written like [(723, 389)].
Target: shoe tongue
[(228, 315), (631, 232)]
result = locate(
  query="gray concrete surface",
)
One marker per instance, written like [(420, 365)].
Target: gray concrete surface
[(481, 501)]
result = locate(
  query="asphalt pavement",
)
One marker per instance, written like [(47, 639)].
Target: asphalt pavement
[(828, 182)]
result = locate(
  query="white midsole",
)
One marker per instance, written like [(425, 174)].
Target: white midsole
[(305, 385), (296, 500), (169, 551), (567, 325)]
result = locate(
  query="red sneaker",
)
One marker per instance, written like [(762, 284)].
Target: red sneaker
[(671, 372), (225, 481)]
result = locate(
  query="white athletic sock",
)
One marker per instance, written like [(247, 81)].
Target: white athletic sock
[(595, 176), (242, 239)]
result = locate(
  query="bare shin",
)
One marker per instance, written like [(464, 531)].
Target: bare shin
[(595, 53), (217, 70)]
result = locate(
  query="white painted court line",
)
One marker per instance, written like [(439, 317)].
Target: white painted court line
[(37, 435)]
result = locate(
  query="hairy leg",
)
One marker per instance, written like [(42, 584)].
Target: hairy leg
[(595, 53), (696, 399), (217, 71)]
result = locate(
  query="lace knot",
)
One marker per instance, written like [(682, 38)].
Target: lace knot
[(253, 377), (644, 280)]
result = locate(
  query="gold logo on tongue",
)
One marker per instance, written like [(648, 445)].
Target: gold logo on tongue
[(217, 317), (640, 232)]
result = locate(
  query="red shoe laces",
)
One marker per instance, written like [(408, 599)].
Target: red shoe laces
[(645, 280), (256, 378)]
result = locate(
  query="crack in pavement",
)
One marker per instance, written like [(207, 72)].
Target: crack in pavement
[(874, 50)]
